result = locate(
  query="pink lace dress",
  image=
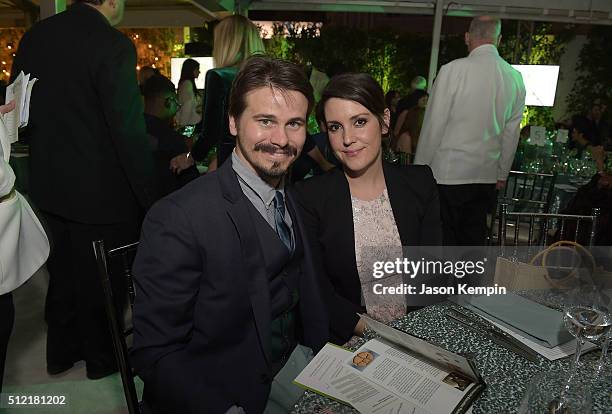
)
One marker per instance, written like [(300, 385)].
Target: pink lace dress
[(377, 239)]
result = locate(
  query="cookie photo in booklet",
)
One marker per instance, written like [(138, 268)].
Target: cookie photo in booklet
[(396, 373)]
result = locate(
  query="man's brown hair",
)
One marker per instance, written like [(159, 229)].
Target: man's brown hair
[(261, 72)]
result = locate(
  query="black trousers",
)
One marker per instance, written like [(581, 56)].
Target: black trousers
[(7, 318), (74, 309), (463, 210)]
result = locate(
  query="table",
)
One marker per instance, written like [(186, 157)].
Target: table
[(506, 374)]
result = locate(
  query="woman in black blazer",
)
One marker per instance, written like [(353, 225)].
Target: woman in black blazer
[(367, 201)]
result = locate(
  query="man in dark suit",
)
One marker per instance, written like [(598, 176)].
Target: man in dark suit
[(161, 105), (225, 285), (90, 166)]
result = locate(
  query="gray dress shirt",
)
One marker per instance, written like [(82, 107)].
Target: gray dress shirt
[(260, 193)]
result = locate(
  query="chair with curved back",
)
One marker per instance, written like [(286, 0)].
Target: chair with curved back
[(120, 261), (524, 192), (576, 228)]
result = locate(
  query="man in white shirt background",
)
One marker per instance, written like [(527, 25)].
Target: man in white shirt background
[(470, 132)]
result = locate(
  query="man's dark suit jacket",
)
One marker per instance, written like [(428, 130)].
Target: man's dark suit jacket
[(90, 160), (328, 216), (202, 314), (167, 144)]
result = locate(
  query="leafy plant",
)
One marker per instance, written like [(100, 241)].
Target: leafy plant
[(594, 68)]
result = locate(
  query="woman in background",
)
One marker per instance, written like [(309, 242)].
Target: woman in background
[(236, 38), (409, 123), (366, 210), (188, 94), (24, 246)]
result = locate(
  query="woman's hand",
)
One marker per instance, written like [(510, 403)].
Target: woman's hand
[(7, 108)]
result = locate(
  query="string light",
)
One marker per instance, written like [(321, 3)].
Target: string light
[(137, 67)]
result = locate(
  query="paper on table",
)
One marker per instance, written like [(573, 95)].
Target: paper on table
[(537, 135), (367, 397), (329, 367), (410, 377), (328, 364), (562, 135), (552, 354), (422, 347)]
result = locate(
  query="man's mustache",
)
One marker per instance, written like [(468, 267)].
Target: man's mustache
[(272, 149)]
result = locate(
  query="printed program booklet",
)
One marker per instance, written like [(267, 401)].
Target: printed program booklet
[(19, 91), (397, 373)]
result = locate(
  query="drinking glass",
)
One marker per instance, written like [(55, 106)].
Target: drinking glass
[(587, 316), (537, 399)]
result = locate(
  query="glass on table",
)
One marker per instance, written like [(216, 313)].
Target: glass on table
[(538, 400), (587, 316)]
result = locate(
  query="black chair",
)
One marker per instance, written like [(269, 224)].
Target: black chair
[(531, 192), (525, 192), (119, 258), (539, 225)]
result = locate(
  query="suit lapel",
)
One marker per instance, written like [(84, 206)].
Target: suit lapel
[(339, 204), (259, 292), (314, 319), (403, 204)]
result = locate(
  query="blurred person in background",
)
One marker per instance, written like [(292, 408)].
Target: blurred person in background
[(91, 168), (471, 131), (161, 105), (236, 38), (409, 123), (24, 246), (188, 97), (144, 74)]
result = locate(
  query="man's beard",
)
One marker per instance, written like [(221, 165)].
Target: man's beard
[(274, 171)]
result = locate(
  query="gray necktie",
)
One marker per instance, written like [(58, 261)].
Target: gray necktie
[(282, 229)]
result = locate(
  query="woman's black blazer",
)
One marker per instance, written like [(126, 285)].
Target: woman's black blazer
[(327, 212)]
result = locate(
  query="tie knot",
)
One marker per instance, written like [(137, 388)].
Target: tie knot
[(279, 202)]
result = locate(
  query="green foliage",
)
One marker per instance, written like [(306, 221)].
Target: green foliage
[(155, 47), (594, 70), (534, 44), (392, 59)]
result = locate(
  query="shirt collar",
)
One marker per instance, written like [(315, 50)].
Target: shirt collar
[(262, 189), (486, 48)]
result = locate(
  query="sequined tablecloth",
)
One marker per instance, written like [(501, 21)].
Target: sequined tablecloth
[(505, 373)]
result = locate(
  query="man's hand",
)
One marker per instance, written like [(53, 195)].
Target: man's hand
[(500, 185), (7, 108), (360, 327), (181, 162)]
